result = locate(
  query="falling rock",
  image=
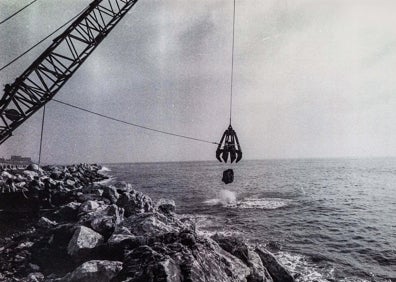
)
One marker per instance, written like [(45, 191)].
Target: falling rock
[(228, 176), (277, 271), (83, 241), (94, 271)]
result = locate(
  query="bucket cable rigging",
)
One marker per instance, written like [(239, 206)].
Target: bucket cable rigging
[(232, 61), (229, 144), (130, 123), (41, 135)]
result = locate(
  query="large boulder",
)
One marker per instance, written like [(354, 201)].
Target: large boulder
[(94, 271), (103, 219), (83, 242), (277, 271), (145, 264), (152, 224), (237, 247), (110, 192), (135, 202)]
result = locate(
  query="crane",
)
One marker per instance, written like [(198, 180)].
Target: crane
[(42, 80)]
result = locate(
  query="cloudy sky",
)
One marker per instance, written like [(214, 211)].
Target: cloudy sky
[(313, 78)]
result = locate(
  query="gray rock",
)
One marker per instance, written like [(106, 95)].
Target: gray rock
[(277, 271), (35, 277), (30, 174), (111, 193), (68, 211), (46, 223), (94, 271), (152, 224), (145, 264), (89, 206), (166, 206), (237, 247), (103, 220), (135, 202), (83, 241)]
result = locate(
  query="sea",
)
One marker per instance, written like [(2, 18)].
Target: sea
[(324, 219)]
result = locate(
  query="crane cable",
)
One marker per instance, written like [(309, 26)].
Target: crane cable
[(17, 12), (132, 124), (41, 41), (232, 60)]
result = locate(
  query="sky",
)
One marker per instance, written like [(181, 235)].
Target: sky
[(312, 79)]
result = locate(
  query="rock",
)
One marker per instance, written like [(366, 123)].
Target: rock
[(228, 176), (84, 240), (94, 271), (35, 277), (88, 206), (111, 193), (234, 246), (151, 224), (68, 211), (123, 187), (276, 270), (35, 167), (7, 175), (135, 202), (166, 206), (145, 264), (104, 225), (258, 273), (46, 223), (103, 220), (30, 174)]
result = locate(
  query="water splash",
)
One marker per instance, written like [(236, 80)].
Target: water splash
[(225, 198), (228, 199)]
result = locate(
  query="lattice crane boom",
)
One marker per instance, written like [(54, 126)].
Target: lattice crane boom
[(53, 68)]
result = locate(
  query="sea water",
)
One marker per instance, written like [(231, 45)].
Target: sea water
[(324, 219)]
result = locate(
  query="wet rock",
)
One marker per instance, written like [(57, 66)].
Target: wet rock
[(82, 243), (94, 271), (276, 270), (166, 206)]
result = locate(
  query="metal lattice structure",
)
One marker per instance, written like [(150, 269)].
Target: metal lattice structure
[(53, 68)]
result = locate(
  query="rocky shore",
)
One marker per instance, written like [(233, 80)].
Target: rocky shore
[(81, 228)]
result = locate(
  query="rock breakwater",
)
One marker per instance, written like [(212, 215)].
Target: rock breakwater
[(83, 230)]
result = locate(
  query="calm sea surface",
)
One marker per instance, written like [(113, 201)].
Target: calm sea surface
[(327, 219)]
